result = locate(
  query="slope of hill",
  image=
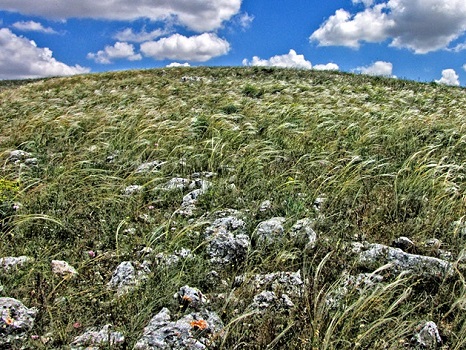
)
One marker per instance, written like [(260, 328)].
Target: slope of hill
[(237, 182)]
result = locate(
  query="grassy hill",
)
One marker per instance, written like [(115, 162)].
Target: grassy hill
[(384, 158)]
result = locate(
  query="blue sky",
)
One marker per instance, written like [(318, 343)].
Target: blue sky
[(422, 40)]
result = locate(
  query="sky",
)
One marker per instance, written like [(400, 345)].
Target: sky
[(422, 40)]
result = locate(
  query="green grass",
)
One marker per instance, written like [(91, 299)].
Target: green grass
[(387, 154)]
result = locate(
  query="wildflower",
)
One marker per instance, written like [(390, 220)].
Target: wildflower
[(34, 337), (199, 324), (91, 254), (77, 325)]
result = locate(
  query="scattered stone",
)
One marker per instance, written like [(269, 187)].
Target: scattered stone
[(318, 203), (62, 268), (149, 167), (190, 297), (94, 338), (188, 206), (195, 331), (405, 244), (201, 184), (177, 183), (427, 335), (348, 283), (227, 241), (289, 283), (127, 276), (270, 231), (206, 174), (15, 322), (173, 259), (265, 206), (18, 155), (10, 262), (268, 300), (302, 232), (378, 254), (132, 189)]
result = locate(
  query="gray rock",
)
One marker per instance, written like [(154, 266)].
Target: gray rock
[(270, 231), (16, 320), (319, 202), (378, 254), (177, 183), (149, 167), (94, 338), (227, 241), (427, 335), (289, 283), (265, 205), (195, 331), (268, 300), (132, 189), (361, 283), (173, 259), (127, 276), (191, 297), (204, 185), (188, 206), (18, 156), (302, 231), (62, 268), (404, 243), (31, 161), (11, 262)]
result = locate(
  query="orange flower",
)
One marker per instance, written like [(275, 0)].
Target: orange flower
[(199, 324), (186, 299), (9, 321)]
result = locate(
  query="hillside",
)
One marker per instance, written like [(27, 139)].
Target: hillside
[(313, 210)]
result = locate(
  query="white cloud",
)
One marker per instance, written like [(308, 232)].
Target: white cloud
[(198, 48), (176, 64), (380, 68), (129, 35), (31, 26), (20, 58), (464, 67), (449, 77), (198, 15), (118, 51), (366, 3), (328, 66), (419, 25), (290, 60), (245, 20)]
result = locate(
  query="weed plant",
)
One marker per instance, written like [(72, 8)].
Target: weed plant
[(388, 156)]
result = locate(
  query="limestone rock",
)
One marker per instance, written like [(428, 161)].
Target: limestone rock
[(427, 335), (191, 297), (173, 259), (149, 167), (18, 156), (132, 189), (405, 244), (195, 331), (227, 241), (265, 206), (94, 338), (268, 300), (127, 276), (62, 268), (270, 231), (177, 183), (11, 262), (281, 282), (302, 231), (378, 254), (15, 320)]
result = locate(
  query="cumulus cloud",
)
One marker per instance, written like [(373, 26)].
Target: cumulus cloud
[(419, 25), (449, 77), (198, 15), (129, 35), (31, 26), (328, 66), (290, 60), (118, 51), (20, 58), (380, 68), (199, 48), (176, 64), (244, 20)]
